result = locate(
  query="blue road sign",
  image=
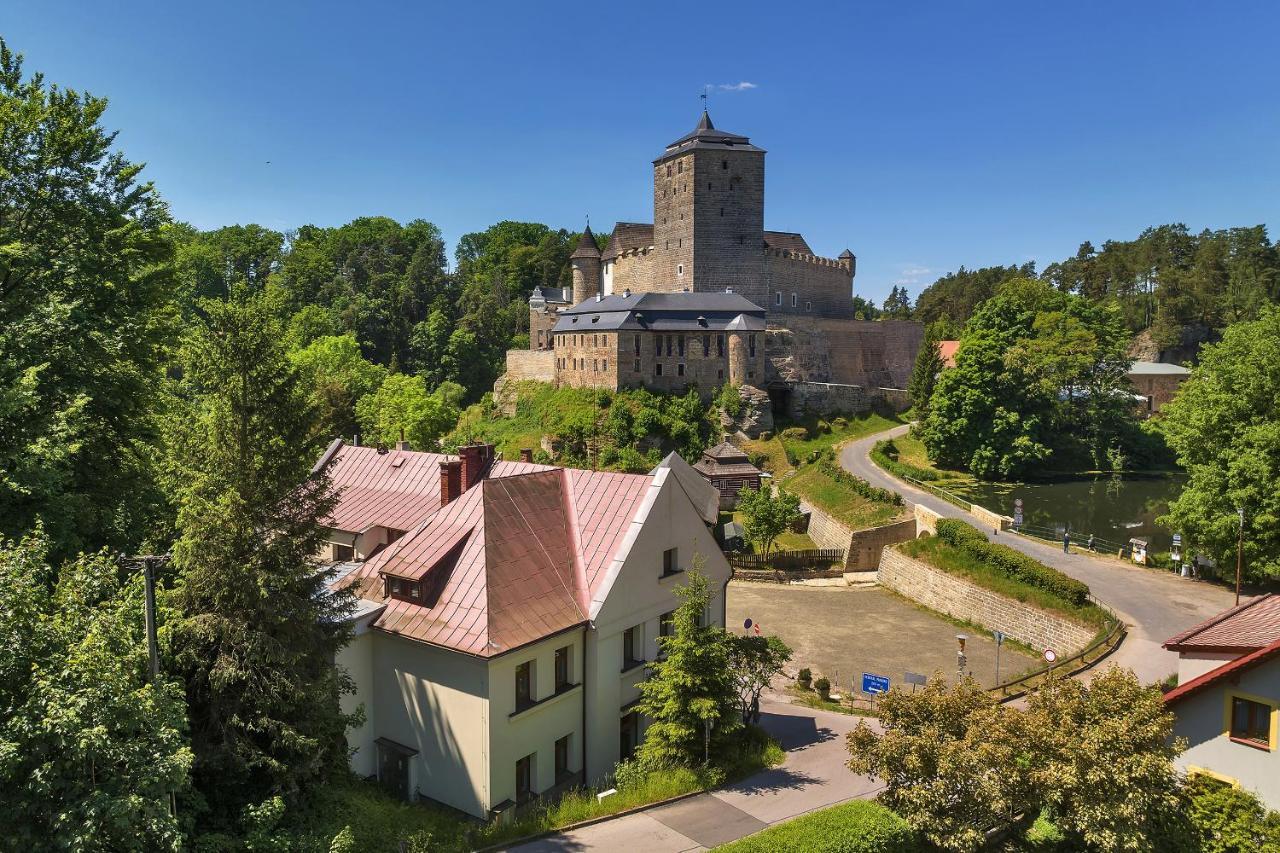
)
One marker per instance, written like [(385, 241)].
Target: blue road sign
[(999, 635), (874, 684), (746, 626)]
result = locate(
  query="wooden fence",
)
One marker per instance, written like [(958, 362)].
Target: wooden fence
[(788, 561)]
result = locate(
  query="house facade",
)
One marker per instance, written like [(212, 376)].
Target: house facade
[(501, 635), (1227, 702), (728, 469)]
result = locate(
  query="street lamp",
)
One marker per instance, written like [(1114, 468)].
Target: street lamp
[(1239, 553), (961, 661)]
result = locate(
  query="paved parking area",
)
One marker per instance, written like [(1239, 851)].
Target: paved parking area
[(842, 632)]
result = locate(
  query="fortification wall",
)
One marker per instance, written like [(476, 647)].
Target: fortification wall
[(536, 365), (962, 599), (806, 285), (636, 270), (825, 398), (867, 546), (873, 354)]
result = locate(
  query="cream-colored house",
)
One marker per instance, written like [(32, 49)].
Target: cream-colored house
[(506, 614), (1227, 702)]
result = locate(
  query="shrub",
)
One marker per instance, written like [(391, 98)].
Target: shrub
[(839, 423), (805, 678), (796, 433), (1012, 564), (823, 686), (1227, 819), (824, 427), (858, 485), (885, 454), (859, 826)]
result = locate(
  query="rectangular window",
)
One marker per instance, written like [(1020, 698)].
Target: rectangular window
[(631, 648), (680, 346), (724, 164), (637, 343), (628, 735), (343, 553), (679, 166), (635, 366), (706, 345), (808, 306), (604, 365), (720, 346), (794, 300), (657, 369), (524, 685), (751, 345), (563, 673), (562, 759), (720, 373), (777, 298), (668, 337), (657, 344), (1250, 721), (667, 624), (524, 779), (670, 561), (680, 369)]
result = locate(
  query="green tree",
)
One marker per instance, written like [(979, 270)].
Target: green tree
[(89, 751), (85, 281), (258, 630), (690, 694), (897, 305), (1224, 426), (924, 375), (766, 514), (402, 403), (336, 376), (1228, 819), (956, 295), (754, 661)]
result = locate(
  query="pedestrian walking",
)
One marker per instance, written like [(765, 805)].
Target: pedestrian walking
[(1090, 541), (1066, 541)]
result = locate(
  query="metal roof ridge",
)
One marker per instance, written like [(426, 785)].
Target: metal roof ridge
[(582, 591), (1217, 619)]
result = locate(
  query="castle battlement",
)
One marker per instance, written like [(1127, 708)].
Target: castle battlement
[(816, 260)]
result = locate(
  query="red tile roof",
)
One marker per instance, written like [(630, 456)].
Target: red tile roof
[(1244, 628), (948, 350), (1227, 670), (516, 558)]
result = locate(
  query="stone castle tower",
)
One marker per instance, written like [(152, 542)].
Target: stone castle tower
[(708, 214), (585, 266)]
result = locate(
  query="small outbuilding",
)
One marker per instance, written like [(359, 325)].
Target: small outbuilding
[(729, 470)]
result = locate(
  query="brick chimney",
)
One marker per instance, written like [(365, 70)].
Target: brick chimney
[(476, 459), (402, 444), (450, 480), (526, 454)]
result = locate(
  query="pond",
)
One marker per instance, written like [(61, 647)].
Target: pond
[(1112, 509)]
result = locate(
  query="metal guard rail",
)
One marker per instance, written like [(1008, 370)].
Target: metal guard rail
[(1103, 646)]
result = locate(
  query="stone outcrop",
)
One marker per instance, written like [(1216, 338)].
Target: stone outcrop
[(1143, 348), (754, 417)]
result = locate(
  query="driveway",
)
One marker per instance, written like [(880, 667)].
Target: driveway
[(1155, 605), (813, 776)]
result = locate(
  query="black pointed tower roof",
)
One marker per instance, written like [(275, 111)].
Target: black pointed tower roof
[(705, 136), (587, 247), (846, 254)]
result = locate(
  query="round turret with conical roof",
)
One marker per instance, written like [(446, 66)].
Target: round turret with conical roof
[(585, 263)]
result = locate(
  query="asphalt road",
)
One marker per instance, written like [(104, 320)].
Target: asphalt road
[(1155, 604)]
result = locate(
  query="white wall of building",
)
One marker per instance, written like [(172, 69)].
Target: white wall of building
[(1202, 720), (1195, 664), (357, 659)]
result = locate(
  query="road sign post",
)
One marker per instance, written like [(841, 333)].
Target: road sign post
[(1017, 512), (874, 685), (999, 637)]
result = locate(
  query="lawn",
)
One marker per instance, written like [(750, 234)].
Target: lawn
[(824, 433), (911, 453), (770, 454), (838, 500), (939, 554), (788, 541), (859, 826)]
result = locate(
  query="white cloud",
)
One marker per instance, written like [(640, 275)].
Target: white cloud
[(911, 275), (734, 87)]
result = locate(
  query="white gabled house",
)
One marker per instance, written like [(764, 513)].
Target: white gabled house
[(506, 615)]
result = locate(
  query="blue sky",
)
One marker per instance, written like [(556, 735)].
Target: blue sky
[(922, 136)]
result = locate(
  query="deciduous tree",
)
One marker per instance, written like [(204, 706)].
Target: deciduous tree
[(754, 661), (767, 513)]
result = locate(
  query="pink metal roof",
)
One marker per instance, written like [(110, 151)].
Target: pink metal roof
[(513, 559), (1244, 628)]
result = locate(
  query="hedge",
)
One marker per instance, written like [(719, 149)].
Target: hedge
[(1012, 564), (859, 485), (859, 826), (885, 454)]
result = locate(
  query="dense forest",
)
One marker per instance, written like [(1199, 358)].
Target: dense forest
[(1174, 285)]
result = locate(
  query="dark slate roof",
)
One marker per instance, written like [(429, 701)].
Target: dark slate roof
[(628, 235), (554, 295), (725, 452), (587, 247), (846, 254), (660, 312), (705, 136), (789, 240)]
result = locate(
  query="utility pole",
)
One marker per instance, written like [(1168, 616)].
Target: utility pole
[(149, 610), (1239, 554)]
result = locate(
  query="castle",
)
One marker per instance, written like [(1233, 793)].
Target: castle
[(705, 295)]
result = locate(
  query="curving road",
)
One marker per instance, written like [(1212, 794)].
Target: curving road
[(1155, 605)]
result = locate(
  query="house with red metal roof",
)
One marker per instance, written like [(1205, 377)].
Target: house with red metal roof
[(1227, 702), (506, 615)]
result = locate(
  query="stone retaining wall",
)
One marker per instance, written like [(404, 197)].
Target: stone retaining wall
[(963, 599), (987, 518), (865, 545), (926, 520), (826, 532), (538, 365)]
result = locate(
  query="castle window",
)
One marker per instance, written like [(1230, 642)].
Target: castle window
[(680, 243), (657, 344), (751, 374), (635, 366), (808, 306), (668, 170), (722, 211), (680, 346), (679, 166), (708, 185), (706, 345), (720, 373), (595, 365), (668, 345), (794, 300), (604, 365), (679, 269), (751, 345), (720, 346), (637, 342), (657, 369), (777, 298), (680, 369)]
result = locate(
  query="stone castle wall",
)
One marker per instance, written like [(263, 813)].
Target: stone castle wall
[(540, 323), (631, 359), (824, 398), (636, 270), (861, 547), (962, 599), (817, 286), (536, 365), (874, 354)]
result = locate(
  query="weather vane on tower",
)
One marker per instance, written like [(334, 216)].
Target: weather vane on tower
[(704, 98)]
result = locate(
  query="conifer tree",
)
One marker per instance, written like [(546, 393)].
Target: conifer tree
[(691, 693), (924, 376), (258, 630)]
